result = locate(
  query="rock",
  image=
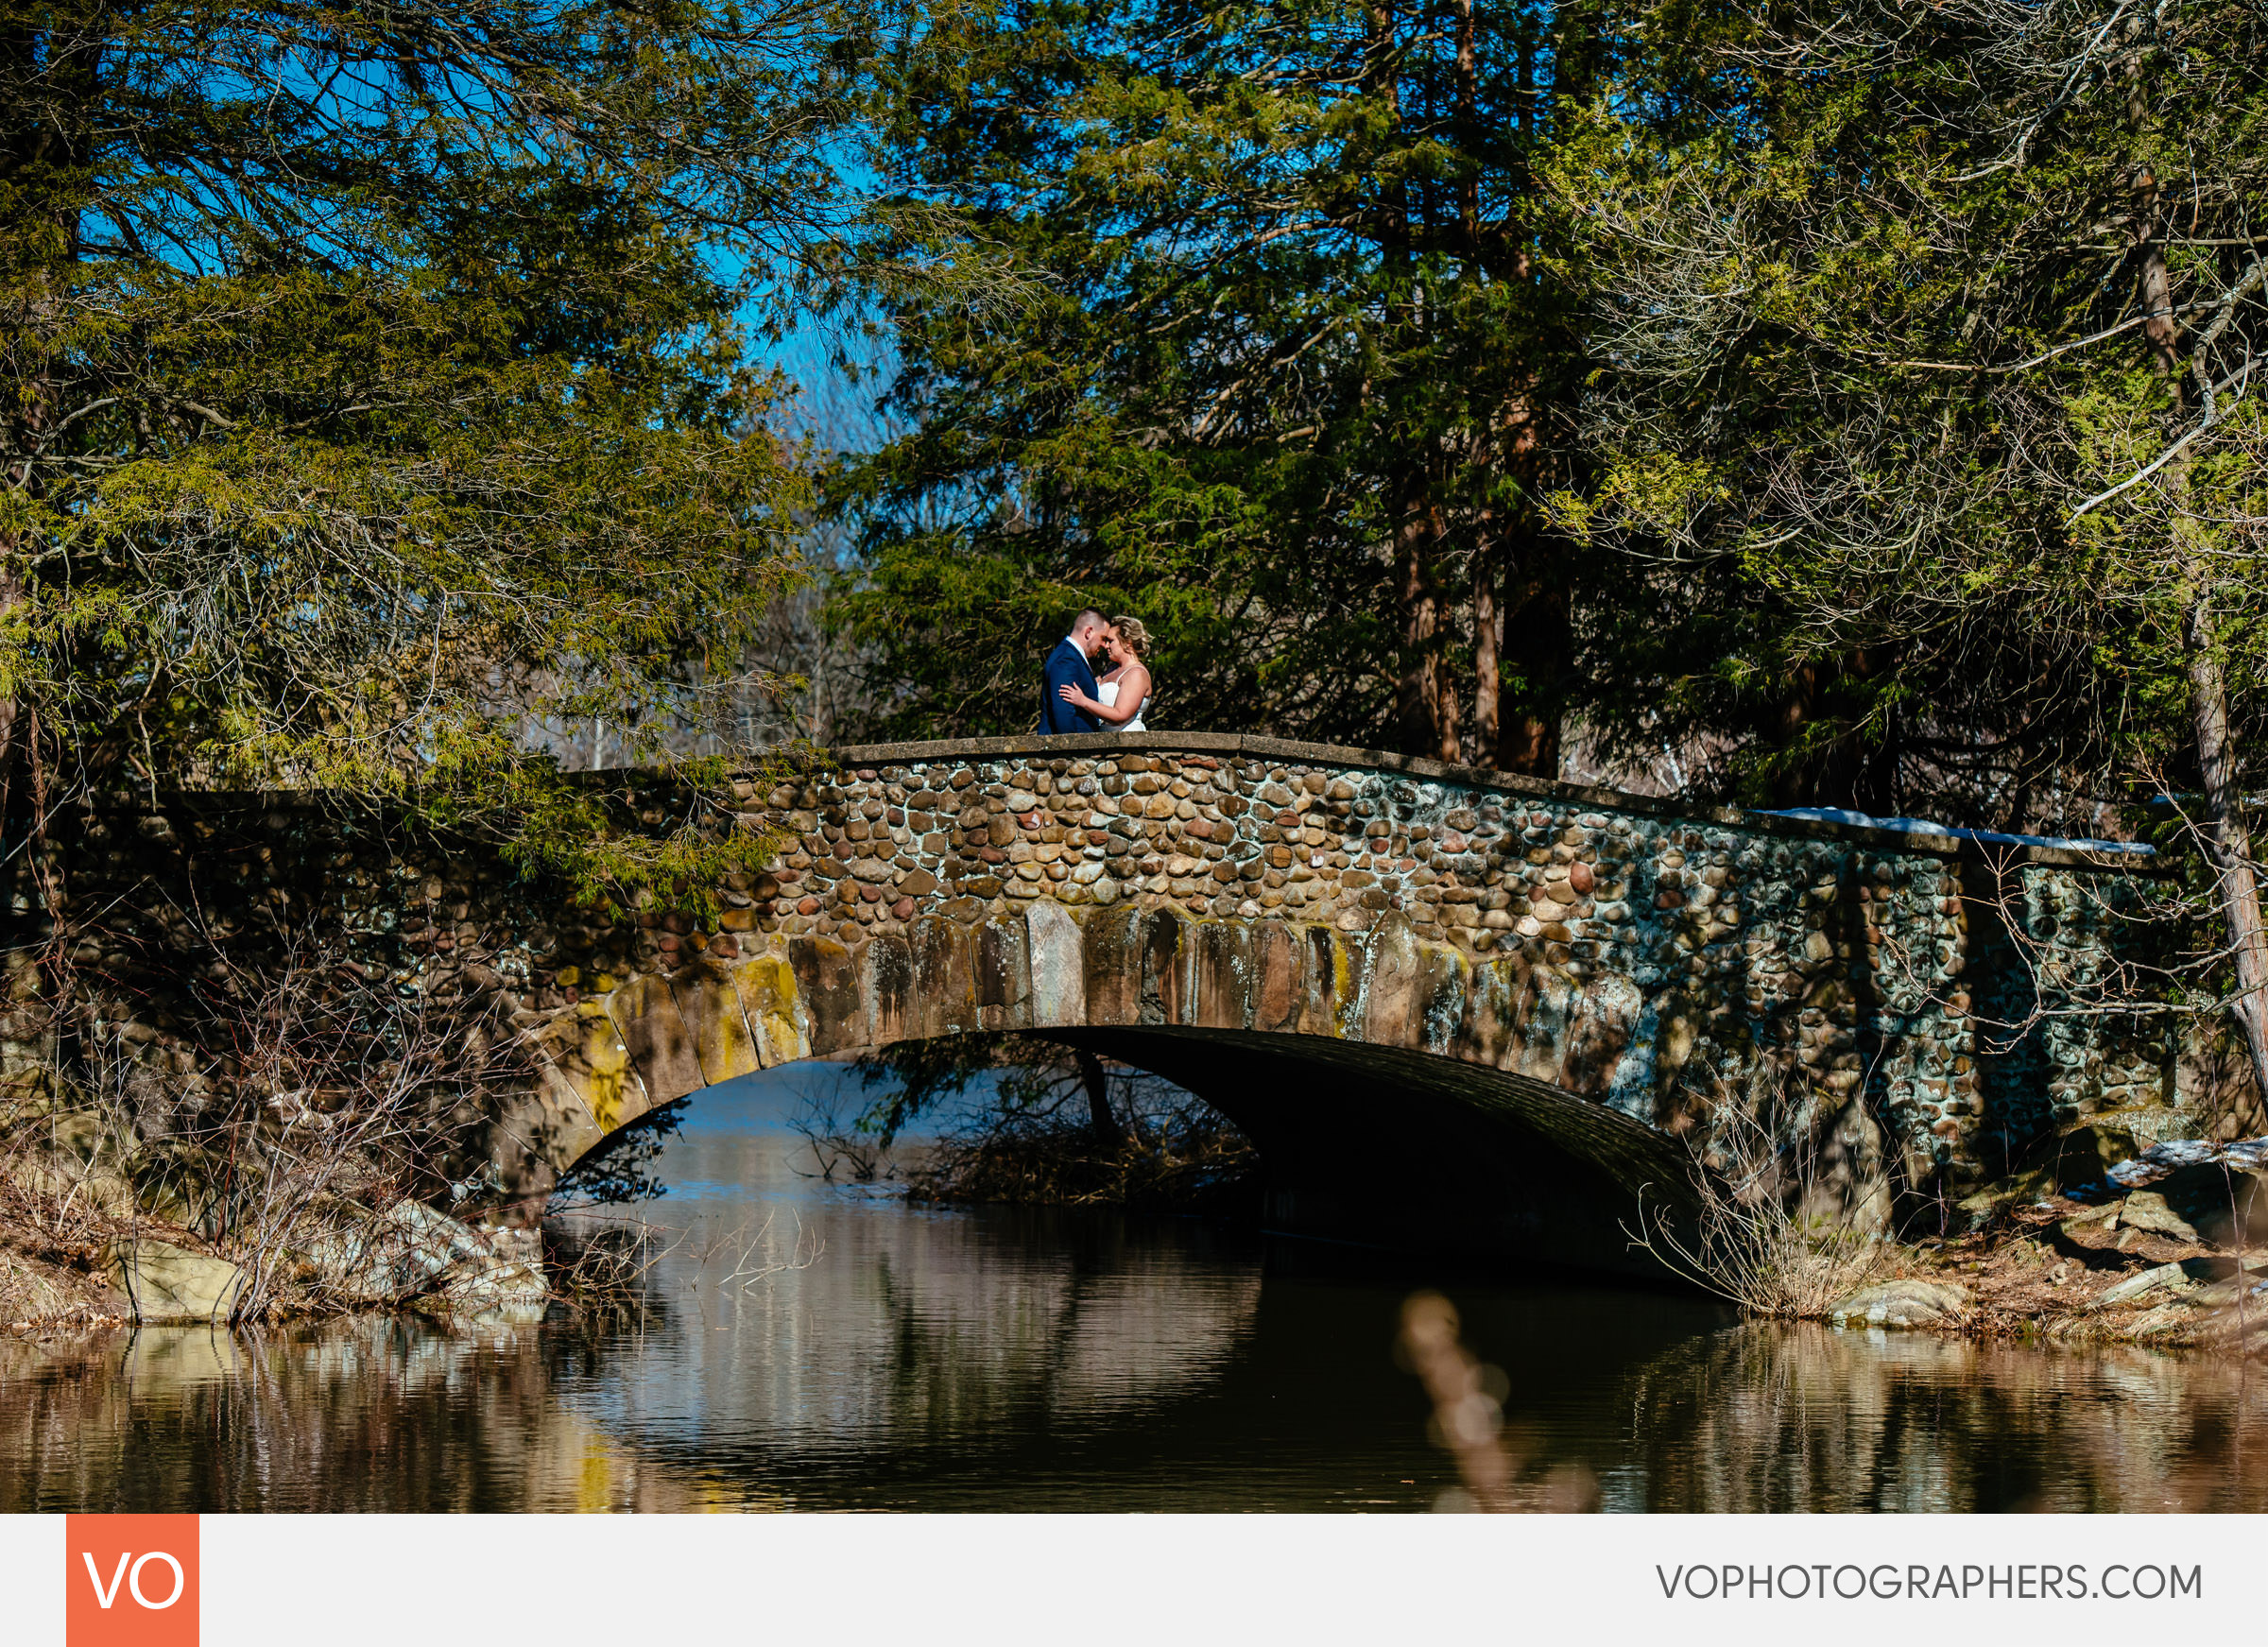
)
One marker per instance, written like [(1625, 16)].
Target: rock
[(2147, 1210), (413, 1254), (2220, 1295), (1901, 1304), (2135, 1286), (2107, 1216), (168, 1283), (2084, 1151), (2177, 1318), (1058, 967), (512, 1293), (1986, 1205), (2202, 1162), (493, 1276), (2164, 1158)]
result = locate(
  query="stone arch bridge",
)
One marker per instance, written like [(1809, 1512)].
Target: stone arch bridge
[(1451, 1007)]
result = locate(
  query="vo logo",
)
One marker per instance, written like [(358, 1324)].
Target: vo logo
[(131, 1580)]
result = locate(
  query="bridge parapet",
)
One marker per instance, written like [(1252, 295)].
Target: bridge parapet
[(1627, 955)]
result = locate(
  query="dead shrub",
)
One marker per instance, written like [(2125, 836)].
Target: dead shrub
[(288, 1106), (599, 1270), (1179, 1162), (1768, 1230)]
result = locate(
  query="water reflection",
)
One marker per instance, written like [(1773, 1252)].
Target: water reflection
[(914, 1327), (996, 1360), (360, 1415), (1810, 1418)]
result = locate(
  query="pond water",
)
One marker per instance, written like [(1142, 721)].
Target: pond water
[(815, 1346)]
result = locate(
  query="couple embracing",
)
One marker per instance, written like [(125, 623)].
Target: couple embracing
[(1074, 699)]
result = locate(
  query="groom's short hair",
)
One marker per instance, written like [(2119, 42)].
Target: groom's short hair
[(1086, 612)]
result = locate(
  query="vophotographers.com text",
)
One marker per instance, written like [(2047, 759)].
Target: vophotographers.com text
[(1914, 1581)]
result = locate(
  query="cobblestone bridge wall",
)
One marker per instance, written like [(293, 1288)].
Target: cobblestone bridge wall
[(1629, 955)]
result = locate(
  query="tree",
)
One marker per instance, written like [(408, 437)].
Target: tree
[(1925, 410), (376, 390), (1282, 378)]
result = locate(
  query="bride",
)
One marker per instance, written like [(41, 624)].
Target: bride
[(1123, 695)]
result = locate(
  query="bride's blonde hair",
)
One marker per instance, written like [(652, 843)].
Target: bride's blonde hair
[(1131, 631)]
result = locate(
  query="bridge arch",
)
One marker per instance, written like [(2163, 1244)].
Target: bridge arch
[(1396, 1092)]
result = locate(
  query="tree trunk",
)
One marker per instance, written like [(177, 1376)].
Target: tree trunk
[(1532, 665), (1486, 681), (1109, 1132), (1442, 695), (11, 596), (2230, 841), (1531, 654), (1874, 773), (1824, 707), (1576, 36), (1468, 137), (1418, 700)]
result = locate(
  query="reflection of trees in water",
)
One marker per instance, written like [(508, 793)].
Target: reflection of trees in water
[(917, 1330), (913, 1337), (1110, 1330), (1770, 1418), (370, 1415)]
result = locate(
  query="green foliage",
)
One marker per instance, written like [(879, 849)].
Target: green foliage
[(376, 395), (1280, 305), (1873, 324)]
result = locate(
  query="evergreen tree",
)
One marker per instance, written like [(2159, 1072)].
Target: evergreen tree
[(1928, 410), (1283, 378), (375, 391)]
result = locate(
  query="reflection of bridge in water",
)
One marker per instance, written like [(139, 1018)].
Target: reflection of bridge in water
[(955, 1363)]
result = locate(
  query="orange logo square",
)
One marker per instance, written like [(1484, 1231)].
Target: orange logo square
[(129, 1581)]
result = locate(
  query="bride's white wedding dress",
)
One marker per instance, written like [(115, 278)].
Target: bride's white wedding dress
[(1106, 692)]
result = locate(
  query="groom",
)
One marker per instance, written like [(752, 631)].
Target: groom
[(1068, 664)]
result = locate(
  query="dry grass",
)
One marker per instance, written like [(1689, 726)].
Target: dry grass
[(67, 1195), (598, 1270), (1757, 1237), (39, 1297)]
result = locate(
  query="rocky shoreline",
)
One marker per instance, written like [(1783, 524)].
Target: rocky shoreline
[(406, 1258), (2147, 1252)]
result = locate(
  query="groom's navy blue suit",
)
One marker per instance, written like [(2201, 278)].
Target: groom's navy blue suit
[(1067, 665)]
